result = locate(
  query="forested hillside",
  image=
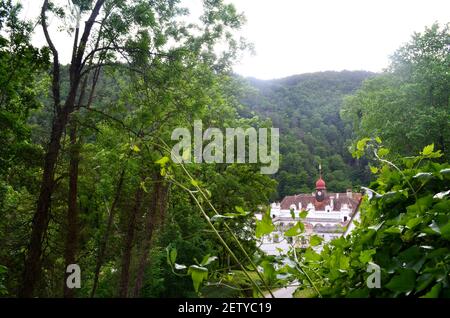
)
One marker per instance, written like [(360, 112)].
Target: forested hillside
[(96, 202), (85, 174), (306, 109)]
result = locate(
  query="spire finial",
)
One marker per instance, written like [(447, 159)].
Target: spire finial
[(320, 171)]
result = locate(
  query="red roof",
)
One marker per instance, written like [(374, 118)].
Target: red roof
[(320, 184), (352, 202)]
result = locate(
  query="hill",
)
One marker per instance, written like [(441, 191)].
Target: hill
[(306, 110)]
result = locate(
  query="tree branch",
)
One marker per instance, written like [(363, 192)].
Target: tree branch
[(56, 69), (87, 31)]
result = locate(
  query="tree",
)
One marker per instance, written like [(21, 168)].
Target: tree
[(408, 106), (22, 81), (136, 35), (19, 87), (403, 231)]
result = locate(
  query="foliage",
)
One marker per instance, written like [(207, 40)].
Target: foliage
[(120, 136), (20, 86), (143, 225), (404, 229), (408, 106), (22, 82)]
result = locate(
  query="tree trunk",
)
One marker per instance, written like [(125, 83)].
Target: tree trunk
[(72, 210), (32, 268), (104, 242), (128, 244), (154, 219)]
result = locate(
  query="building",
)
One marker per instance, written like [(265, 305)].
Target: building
[(330, 215)]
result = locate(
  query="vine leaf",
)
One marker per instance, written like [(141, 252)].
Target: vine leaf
[(315, 240), (404, 282), (297, 229), (198, 275), (265, 226)]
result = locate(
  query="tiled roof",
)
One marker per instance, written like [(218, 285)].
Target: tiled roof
[(305, 199)]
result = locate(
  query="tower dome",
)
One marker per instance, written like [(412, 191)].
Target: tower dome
[(320, 184)]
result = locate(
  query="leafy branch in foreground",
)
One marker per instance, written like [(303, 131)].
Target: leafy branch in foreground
[(204, 197), (404, 229)]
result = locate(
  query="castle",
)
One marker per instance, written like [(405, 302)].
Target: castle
[(330, 215)]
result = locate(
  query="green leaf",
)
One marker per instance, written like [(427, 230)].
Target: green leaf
[(315, 240), (366, 256), (295, 230), (269, 271), (373, 169), (173, 255), (208, 260), (428, 150), (303, 214), (135, 148), (394, 230), (404, 282), (445, 231), (434, 292), (310, 255), (344, 262), (240, 210), (423, 281), (198, 275), (361, 144), (292, 214), (378, 140), (144, 187), (412, 223), (265, 226), (163, 161), (383, 152), (412, 258)]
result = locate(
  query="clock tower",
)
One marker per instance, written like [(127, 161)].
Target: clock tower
[(321, 187)]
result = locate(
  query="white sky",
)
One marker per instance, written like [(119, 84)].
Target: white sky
[(299, 36)]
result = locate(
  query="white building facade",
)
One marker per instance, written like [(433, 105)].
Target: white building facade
[(329, 216)]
